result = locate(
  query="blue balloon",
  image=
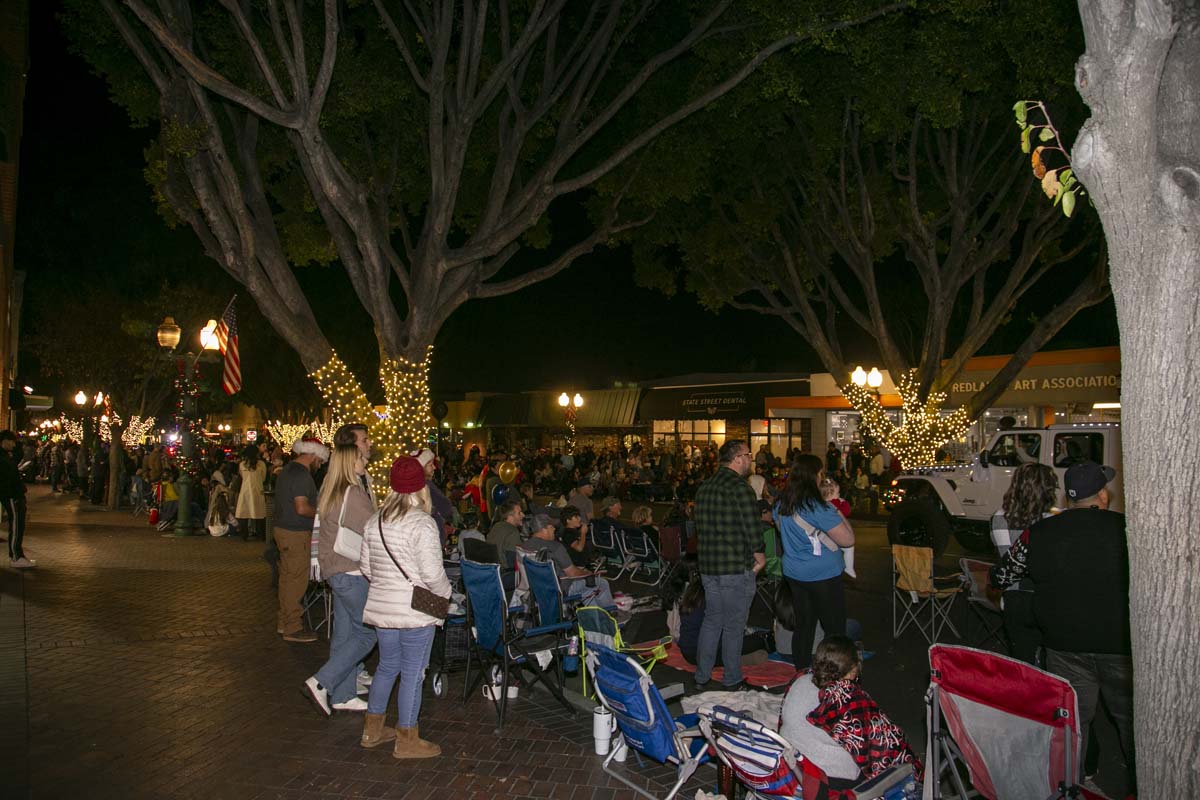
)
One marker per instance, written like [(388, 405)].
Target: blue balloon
[(500, 493)]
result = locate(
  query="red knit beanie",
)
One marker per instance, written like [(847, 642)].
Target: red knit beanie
[(407, 476)]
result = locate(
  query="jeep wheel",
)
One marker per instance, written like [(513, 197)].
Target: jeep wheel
[(919, 523), (975, 538)]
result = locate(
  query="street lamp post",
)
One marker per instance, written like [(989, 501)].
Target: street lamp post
[(168, 335), (570, 406)]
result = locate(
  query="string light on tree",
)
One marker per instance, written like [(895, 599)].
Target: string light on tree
[(924, 428), (405, 425)]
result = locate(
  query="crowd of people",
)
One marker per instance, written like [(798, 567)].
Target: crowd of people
[(383, 558)]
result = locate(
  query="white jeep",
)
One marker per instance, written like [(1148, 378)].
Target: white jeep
[(927, 504)]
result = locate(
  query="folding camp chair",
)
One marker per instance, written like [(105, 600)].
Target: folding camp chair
[(1015, 728), (916, 593), (606, 539), (498, 646), (625, 689), (769, 766), (598, 628), (770, 576), (980, 606), (319, 597), (641, 555)]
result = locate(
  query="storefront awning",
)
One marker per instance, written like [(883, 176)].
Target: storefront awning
[(602, 408), (716, 400)]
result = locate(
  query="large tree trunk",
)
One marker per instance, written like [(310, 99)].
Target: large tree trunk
[(1137, 157), (116, 466)]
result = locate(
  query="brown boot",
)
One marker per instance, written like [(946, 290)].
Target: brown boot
[(374, 734), (409, 744)]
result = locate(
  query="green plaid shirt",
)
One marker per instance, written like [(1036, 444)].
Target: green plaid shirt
[(728, 527)]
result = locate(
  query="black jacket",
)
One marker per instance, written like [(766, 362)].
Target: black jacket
[(1079, 563), (11, 485)]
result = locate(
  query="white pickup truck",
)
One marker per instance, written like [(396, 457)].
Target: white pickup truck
[(927, 504)]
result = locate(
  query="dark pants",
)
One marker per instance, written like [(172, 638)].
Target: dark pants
[(55, 478), (1097, 675), (15, 506), (823, 601), (1024, 635)]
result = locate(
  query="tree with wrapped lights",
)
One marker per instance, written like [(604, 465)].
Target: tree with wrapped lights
[(894, 212), (422, 146)]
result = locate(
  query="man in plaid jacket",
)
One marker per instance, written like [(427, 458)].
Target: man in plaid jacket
[(730, 550)]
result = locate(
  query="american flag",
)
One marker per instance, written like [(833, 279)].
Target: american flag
[(227, 340)]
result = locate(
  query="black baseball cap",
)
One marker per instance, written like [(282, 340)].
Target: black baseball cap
[(1087, 478)]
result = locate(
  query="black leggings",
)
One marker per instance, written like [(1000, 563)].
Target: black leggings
[(816, 600)]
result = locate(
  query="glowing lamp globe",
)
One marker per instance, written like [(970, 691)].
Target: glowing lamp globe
[(564, 400), (874, 378), (80, 398), (859, 376), (168, 334)]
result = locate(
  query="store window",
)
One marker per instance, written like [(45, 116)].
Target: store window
[(687, 431), (780, 435)]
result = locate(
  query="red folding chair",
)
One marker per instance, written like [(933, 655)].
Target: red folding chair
[(1013, 726)]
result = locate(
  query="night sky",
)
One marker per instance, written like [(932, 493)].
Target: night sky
[(81, 175)]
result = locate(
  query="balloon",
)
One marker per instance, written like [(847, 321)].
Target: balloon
[(507, 471), (499, 494)]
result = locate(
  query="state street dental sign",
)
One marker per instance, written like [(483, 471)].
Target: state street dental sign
[(721, 401), (1047, 385)]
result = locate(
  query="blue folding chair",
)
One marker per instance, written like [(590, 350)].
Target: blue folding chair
[(641, 555), (606, 539), (499, 646), (625, 689), (770, 767)]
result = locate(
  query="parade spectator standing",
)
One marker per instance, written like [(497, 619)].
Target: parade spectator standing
[(12, 495), (1079, 563), (154, 463), (730, 551), (876, 467), (402, 549), (251, 509), (813, 532), (443, 512), (295, 508), (1029, 498), (342, 504), (357, 434), (581, 498)]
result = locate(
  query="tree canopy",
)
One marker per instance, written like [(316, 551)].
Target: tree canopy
[(883, 209)]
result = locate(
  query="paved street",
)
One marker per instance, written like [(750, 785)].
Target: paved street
[(142, 666)]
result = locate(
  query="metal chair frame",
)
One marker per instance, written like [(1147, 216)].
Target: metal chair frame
[(918, 594)]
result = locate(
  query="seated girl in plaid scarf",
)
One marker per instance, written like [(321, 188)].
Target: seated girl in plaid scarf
[(849, 715)]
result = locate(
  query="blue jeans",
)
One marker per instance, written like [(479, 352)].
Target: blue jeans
[(598, 595), (727, 601), (351, 640), (403, 652)]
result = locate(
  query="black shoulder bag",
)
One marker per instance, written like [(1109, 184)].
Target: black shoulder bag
[(423, 600)]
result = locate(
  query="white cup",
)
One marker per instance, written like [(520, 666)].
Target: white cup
[(620, 749), (602, 728)]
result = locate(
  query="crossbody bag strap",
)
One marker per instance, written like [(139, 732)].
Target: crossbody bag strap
[(389, 552), (345, 497)]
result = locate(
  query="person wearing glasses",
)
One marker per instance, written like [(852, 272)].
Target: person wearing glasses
[(730, 553)]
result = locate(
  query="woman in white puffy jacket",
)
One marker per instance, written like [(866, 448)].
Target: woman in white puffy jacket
[(402, 534)]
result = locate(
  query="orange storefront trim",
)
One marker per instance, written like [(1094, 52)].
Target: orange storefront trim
[(832, 403), (1051, 358)]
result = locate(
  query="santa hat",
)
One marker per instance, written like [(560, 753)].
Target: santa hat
[(310, 446), (425, 456)]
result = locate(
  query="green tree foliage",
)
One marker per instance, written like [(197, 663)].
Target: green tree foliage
[(869, 191)]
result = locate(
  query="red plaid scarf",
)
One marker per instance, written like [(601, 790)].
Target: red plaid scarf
[(849, 715)]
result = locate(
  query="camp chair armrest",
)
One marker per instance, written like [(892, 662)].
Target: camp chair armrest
[(544, 629), (956, 578), (674, 690)]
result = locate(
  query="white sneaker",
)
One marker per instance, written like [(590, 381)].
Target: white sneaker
[(362, 683), (353, 704), (23, 563), (318, 694)]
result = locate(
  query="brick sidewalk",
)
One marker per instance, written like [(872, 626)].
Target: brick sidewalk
[(143, 666)]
